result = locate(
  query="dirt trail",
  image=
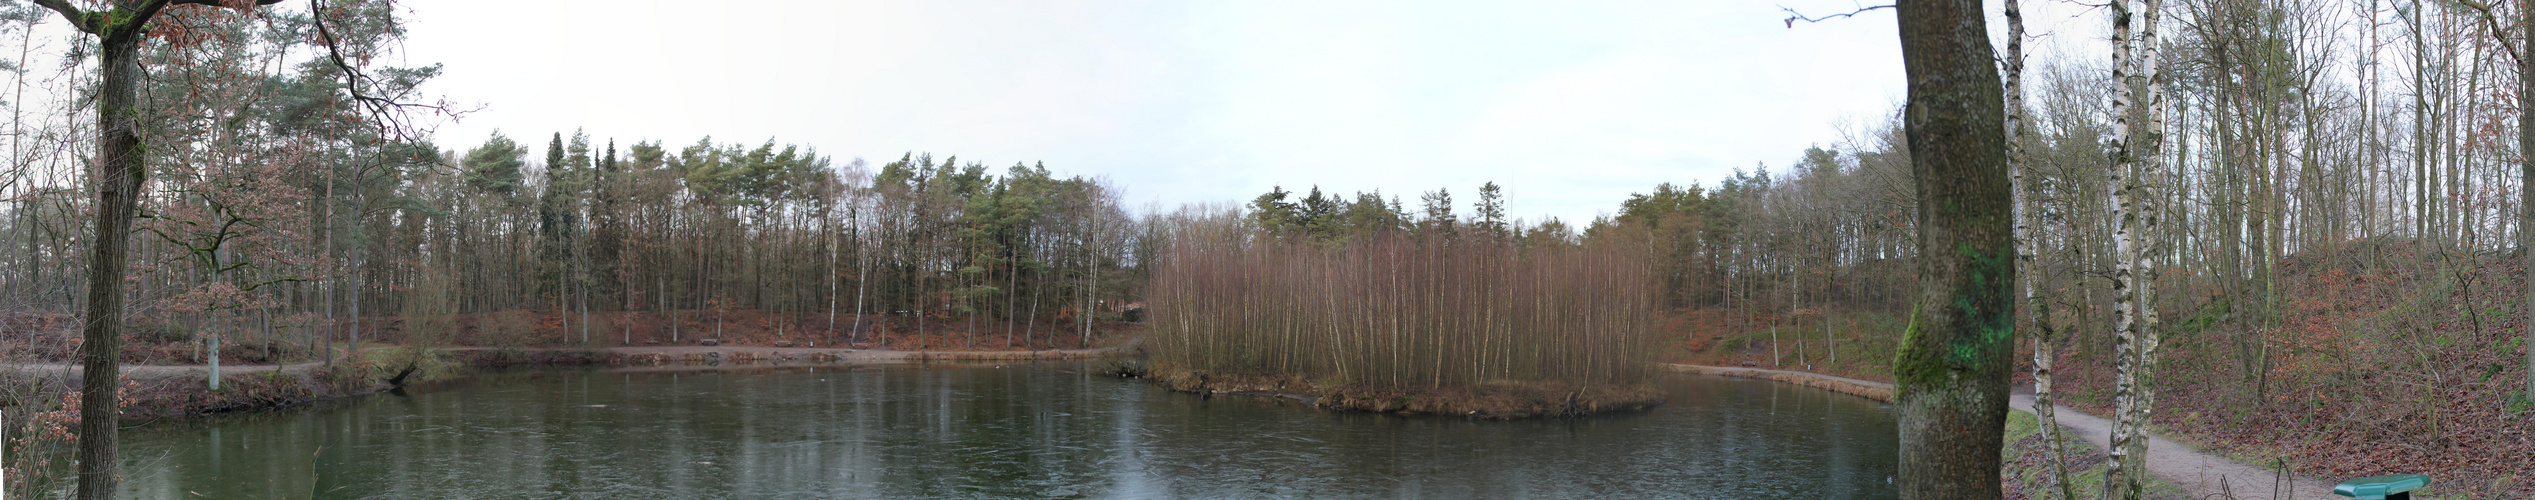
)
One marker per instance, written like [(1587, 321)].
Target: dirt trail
[(2202, 474), (2205, 475)]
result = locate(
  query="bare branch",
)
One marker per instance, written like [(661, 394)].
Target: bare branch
[(78, 18), (390, 114), (1793, 16), (2493, 22), (94, 22)]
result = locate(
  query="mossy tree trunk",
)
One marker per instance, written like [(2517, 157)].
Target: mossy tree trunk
[(1953, 369), (119, 177)]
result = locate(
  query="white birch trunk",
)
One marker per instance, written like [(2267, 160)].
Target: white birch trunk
[(2119, 477), (2144, 195), (2046, 343)]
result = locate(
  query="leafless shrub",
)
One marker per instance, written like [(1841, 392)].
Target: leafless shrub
[(1402, 310)]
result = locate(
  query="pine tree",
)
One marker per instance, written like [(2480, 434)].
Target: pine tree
[(1439, 218), (1491, 210), (495, 165)]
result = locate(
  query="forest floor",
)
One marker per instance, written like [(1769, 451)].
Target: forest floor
[(2378, 356)]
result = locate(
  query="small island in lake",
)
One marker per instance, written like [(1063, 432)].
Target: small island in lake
[(1372, 313)]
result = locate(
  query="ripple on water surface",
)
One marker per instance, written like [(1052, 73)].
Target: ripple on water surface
[(1040, 430)]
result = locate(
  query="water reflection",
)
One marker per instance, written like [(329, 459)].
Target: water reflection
[(1042, 430)]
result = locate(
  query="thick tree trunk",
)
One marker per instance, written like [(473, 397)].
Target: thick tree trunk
[(119, 176), (2526, 180), (1956, 359)]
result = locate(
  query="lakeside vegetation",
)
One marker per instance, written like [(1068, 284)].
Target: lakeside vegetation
[(1376, 310)]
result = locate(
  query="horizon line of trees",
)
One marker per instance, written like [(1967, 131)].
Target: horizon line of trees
[(593, 232)]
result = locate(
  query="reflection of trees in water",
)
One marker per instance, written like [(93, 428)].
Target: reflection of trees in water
[(996, 431)]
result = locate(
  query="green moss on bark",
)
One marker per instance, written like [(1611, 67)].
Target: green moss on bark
[(1911, 371)]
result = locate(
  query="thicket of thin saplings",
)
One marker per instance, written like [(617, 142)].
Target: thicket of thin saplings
[(1404, 309)]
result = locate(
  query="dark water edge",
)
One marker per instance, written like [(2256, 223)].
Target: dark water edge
[(1034, 430)]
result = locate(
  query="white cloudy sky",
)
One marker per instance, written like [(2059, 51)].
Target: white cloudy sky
[(1570, 105)]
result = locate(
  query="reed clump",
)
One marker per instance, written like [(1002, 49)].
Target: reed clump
[(1406, 322)]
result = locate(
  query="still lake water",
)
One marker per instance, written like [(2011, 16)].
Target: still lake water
[(1030, 430)]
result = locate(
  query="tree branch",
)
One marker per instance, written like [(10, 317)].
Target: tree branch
[(94, 22), (2494, 23), (78, 18), (1793, 16), (387, 111), (138, 17)]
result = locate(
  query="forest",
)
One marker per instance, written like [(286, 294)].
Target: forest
[(2335, 238), (288, 228), (292, 206)]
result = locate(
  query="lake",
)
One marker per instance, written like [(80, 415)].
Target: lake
[(1055, 430)]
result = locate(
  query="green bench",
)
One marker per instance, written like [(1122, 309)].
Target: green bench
[(2387, 487)]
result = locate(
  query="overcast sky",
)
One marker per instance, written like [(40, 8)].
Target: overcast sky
[(1569, 105)]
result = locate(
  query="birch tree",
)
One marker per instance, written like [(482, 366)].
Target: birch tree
[(2135, 162), (2118, 476), (2045, 339)]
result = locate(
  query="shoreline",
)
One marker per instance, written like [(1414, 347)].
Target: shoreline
[(1487, 401), (177, 391), (1861, 388)]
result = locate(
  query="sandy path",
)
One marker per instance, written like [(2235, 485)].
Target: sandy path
[(2202, 474), (2205, 475)]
